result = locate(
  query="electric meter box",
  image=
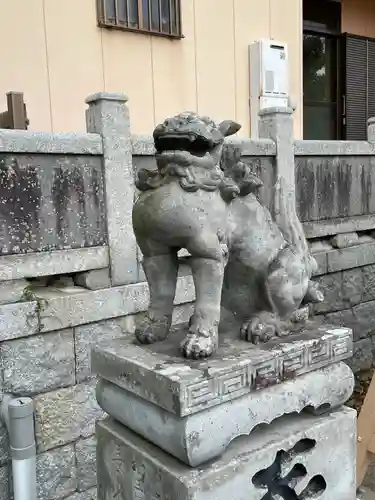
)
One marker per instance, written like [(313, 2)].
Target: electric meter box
[(269, 78)]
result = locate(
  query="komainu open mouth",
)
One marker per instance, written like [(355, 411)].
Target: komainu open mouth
[(193, 143)]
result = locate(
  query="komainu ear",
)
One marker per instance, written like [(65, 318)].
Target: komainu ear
[(228, 127)]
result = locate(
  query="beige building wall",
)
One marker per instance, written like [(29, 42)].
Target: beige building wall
[(358, 17), (53, 51)]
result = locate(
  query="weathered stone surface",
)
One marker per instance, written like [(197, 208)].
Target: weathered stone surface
[(4, 483), (321, 260), (94, 280), (22, 141), (90, 494), (56, 310), (86, 336), (56, 473), (18, 320), (38, 363), (108, 115), (203, 436), (352, 286), (347, 318), (35, 264), (324, 447), (12, 291), (99, 333), (348, 258), (362, 355), (368, 282), (86, 463), (360, 319), (143, 145), (346, 182), (331, 286), (91, 306), (4, 443), (330, 227), (333, 148), (345, 240), (51, 202), (65, 415), (158, 374), (341, 290)]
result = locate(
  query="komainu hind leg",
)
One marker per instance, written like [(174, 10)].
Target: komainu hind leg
[(285, 287)]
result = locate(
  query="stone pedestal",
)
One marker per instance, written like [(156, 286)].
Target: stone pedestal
[(181, 429)]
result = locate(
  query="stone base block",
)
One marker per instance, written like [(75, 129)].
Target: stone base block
[(202, 436), (158, 373), (12, 291), (301, 456)]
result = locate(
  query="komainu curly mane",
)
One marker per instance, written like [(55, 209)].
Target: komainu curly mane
[(191, 148)]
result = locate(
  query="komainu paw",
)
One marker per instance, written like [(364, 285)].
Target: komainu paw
[(261, 328), (153, 330)]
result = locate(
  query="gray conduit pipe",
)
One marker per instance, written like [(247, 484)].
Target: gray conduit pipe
[(18, 415)]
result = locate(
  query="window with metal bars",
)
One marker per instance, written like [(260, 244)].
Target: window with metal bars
[(157, 17)]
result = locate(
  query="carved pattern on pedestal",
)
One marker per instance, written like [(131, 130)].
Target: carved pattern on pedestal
[(284, 365)]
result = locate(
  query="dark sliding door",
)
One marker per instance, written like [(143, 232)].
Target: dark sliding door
[(321, 69), (358, 75), (320, 86)]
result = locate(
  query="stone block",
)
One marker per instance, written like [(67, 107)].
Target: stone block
[(57, 309), (321, 260), (4, 483), (35, 264), (108, 115), (38, 363), (203, 436), (56, 473), (90, 494), (160, 375), (86, 463), (349, 258), (86, 336), (345, 240), (362, 356), (360, 319), (12, 291), (299, 456), (368, 282), (352, 286), (4, 444), (18, 320), (93, 280), (65, 415), (91, 306), (331, 286)]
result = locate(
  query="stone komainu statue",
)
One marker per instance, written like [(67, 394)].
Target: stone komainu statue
[(203, 198)]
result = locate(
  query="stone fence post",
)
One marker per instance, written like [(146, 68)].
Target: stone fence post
[(371, 130), (108, 115), (277, 124)]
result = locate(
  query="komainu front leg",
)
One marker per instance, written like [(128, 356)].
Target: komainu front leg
[(202, 339), (161, 273)]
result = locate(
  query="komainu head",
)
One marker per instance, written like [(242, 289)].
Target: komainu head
[(188, 147)]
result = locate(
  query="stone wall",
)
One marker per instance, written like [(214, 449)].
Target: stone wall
[(51, 364), (71, 275)]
